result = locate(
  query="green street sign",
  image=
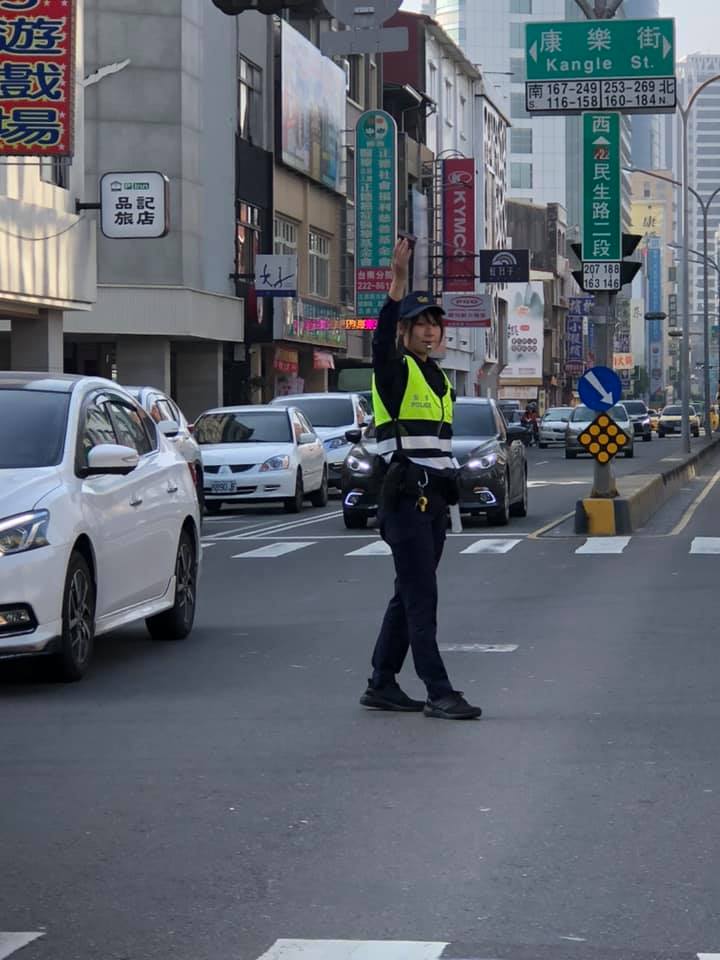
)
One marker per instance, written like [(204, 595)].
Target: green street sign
[(375, 209), (626, 65), (602, 190)]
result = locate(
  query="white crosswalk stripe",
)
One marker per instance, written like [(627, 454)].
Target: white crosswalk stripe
[(353, 950), (10, 942), (603, 546), (272, 550), (377, 549), (706, 546), (492, 546)]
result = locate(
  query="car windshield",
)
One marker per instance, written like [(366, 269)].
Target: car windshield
[(32, 428), (474, 420), (586, 415), (635, 407), (244, 427), (324, 412), (672, 412), (557, 415)]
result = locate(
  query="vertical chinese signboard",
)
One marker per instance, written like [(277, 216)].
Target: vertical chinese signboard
[(36, 77), (459, 225), (375, 209), (602, 222), (655, 327)]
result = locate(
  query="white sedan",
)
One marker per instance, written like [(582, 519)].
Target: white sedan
[(99, 520), (261, 453)]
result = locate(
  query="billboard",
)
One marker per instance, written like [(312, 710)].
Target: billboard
[(459, 225), (312, 110), (375, 209), (37, 78), (655, 327), (525, 338)]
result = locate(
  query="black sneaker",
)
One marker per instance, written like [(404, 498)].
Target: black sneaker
[(452, 707), (390, 697)]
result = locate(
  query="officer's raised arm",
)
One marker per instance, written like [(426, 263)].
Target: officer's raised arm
[(385, 338)]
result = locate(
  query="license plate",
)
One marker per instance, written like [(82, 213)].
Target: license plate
[(223, 486)]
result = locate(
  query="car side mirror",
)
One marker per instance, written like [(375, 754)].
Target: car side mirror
[(305, 438), (169, 428), (353, 436), (110, 459), (515, 431)]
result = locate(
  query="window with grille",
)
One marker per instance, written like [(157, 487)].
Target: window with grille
[(521, 6), (521, 176), (319, 264), (517, 35), (285, 236), (517, 106), (518, 69), (521, 140), (247, 239)]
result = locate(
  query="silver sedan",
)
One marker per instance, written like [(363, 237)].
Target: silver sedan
[(553, 426)]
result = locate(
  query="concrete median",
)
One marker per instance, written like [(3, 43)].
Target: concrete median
[(640, 496)]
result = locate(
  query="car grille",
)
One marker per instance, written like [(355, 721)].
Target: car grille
[(235, 468)]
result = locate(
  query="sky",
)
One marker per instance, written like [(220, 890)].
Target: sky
[(697, 23)]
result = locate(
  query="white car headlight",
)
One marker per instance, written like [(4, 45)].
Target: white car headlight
[(356, 465), (26, 531), (483, 463), (335, 443), (275, 463)]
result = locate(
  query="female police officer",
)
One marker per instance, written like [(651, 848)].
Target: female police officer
[(413, 401)]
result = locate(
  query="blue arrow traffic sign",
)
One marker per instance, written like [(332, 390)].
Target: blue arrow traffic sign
[(600, 388)]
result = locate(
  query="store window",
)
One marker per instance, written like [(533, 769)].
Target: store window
[(319, 264), (249, 101)]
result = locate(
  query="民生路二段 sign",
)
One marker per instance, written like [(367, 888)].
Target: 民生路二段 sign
[(134, 205), (37, 77), (602, 221), (626, 65), (375, 209)]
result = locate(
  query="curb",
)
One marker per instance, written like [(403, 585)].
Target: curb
[(640, 497)]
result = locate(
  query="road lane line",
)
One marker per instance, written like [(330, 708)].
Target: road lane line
[(690, 512), (491, 546), (377, 549), (10, 942), (604, 546), (705, 546), (478, 648), (273, 526), (273, 550), (353, 950), (536, 534)]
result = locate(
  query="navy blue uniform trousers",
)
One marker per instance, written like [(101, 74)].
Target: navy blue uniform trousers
[(416, 540)]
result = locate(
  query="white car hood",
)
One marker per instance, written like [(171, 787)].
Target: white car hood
[(325, 433), (21, 490), (217, 454)]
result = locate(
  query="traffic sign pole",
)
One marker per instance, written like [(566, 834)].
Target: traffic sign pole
[(602, 317)]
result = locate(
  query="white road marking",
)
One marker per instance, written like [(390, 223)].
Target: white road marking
[(479, 648), (557, 483), (604, 545), (273, 550), (705, 545), (377, 549), (690, 513), (273, 526), (10, 942), (353, 950), (206, 546), (708, 956), (491, 546)]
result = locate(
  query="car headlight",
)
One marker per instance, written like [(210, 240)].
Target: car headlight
[(335, 443), (483, 463), (356, 465), (646, 422), (275, 463), (26, 531)]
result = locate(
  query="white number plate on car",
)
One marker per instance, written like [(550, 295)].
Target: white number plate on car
[(223, 486)]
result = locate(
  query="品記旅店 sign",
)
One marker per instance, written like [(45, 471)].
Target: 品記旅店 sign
[(134, 205), (36, 78)]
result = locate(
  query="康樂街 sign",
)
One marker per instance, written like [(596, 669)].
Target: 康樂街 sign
[(625, 65), (36, 77)]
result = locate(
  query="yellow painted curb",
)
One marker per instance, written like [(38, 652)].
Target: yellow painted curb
[(600, 517)]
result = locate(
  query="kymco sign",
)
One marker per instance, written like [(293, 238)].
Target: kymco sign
[(459, 225)]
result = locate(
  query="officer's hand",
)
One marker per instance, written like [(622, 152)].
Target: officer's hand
[(401, 261)]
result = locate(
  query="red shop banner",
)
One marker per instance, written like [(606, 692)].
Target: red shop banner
[(286, 361), (459, 225), (37, 77)]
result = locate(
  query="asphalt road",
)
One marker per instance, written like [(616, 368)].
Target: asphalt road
[(201, 801)]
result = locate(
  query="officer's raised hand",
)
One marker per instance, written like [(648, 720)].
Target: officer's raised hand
[(400, 269)]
